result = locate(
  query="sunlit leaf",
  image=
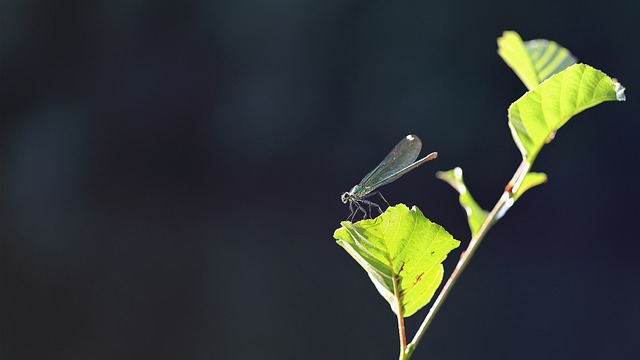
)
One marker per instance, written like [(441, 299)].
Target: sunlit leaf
[(538, 114), (530, 180), (535, 60), (475, 214), (402, 251)]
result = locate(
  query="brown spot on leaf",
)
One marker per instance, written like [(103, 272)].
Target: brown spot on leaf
[(401, 268)]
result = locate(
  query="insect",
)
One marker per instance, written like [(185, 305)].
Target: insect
[(398, 162)]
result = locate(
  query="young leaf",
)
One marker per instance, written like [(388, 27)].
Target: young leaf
[(475, 214), (538, 114), (402, 251), (530, 180), (535, 60)]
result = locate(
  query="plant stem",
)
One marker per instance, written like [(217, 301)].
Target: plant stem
[(400, 315), (503, 204)]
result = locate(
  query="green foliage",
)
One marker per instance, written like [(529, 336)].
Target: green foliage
[(402, 251), (535, 60), (538, 114), (475, 214), (530, 180)]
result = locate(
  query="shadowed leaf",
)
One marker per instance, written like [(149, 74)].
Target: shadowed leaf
[(475, 214), (535, 60)]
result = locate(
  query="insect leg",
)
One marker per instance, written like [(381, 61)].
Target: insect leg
[(382, 197), (371, 204)]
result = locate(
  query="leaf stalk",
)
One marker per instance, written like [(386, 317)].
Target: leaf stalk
[(400, 316)]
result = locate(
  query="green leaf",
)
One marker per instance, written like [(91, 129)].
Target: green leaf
[(535, 60), (538, 114), (530, 180), (475, 214), (402, 251)]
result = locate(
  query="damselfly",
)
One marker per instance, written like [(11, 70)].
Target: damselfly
[(400, 160)]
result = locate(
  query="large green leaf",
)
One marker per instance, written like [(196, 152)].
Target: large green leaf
[(535, 60), (402, 251), (538, 114), (475, 214)]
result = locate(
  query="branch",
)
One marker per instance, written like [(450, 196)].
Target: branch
[(503, 204)]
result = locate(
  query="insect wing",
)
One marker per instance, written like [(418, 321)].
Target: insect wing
[(400, 157), (393, 177)]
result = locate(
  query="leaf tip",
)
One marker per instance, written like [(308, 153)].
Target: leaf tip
[(620, 96), (454, 178)]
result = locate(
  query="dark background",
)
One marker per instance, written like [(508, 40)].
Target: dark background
[(170, 178)]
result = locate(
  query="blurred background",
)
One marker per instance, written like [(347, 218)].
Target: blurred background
[(170, 175)]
